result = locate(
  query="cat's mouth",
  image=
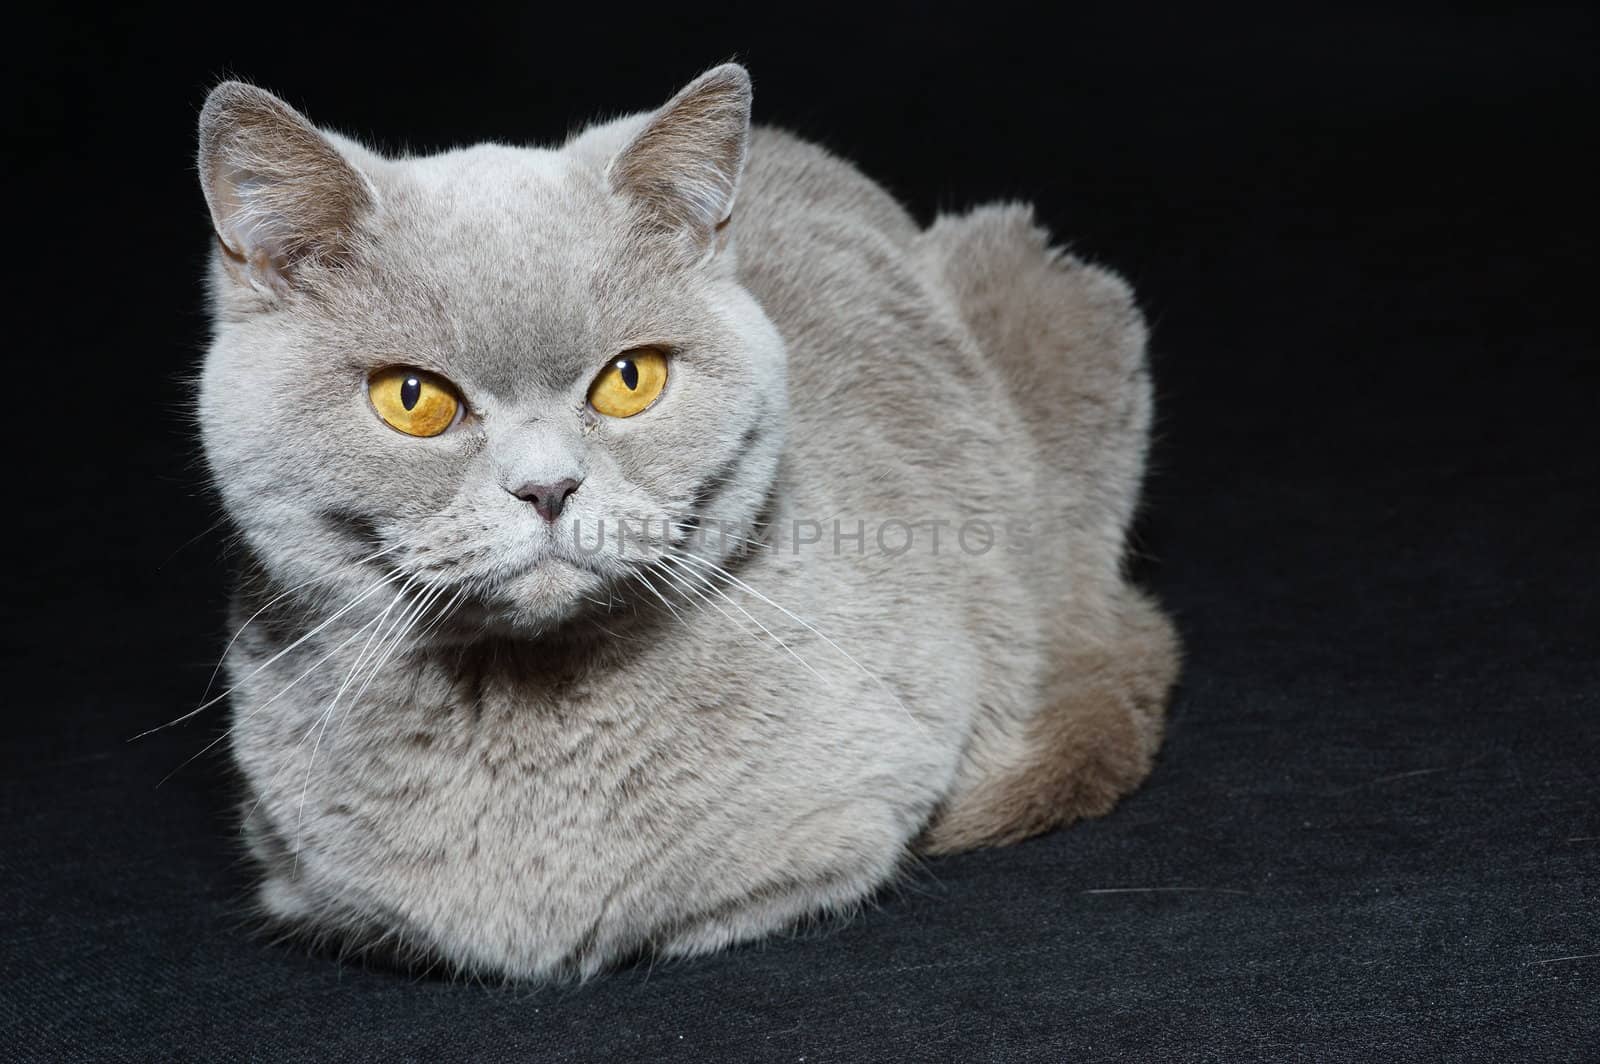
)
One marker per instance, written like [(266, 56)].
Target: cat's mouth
[(547, 590), (533, 583)]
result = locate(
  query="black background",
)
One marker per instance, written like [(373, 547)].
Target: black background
[(1365, 244)]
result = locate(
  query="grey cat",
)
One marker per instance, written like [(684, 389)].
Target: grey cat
[(477, 725)]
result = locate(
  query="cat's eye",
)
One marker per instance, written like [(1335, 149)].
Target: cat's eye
[(415, 402), (630, 384)]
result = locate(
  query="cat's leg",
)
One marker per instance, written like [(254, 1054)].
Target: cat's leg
[(819, 866), (280, 896), (774, 908), (1092, 742)]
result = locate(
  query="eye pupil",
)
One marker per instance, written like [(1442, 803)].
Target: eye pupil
[(410, 392), (629, 383)]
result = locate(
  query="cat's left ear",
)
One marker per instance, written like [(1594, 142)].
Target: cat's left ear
[(683, 168)]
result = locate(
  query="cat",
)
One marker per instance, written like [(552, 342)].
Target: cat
[(478, 728)]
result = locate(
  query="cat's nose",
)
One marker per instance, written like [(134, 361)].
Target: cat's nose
[(547, 499)]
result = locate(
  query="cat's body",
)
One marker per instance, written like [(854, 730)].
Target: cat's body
[(543, 795)]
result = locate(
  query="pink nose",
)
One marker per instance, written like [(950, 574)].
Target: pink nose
[(548, 499)]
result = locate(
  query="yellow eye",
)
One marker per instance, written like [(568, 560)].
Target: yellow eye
[(630, 384), (416, 403)]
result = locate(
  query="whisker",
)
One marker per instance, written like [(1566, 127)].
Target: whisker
[(384, 582), (712, 566), (280, 596), (444, 613), (320, 724), (390, 641), (401, 629), (640, 574), (262, 793), (281, 692), (721, 535), (322, 718), (683, 583), (775, 637)]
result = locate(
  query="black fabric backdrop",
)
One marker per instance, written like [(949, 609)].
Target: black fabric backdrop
[(1365, 245)]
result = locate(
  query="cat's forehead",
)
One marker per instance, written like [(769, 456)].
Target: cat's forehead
[(514, 210), (523, 253)]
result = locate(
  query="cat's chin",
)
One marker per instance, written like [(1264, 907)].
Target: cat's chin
[(541, 597)]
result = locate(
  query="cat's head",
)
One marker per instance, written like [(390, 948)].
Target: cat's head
[(470, 363)]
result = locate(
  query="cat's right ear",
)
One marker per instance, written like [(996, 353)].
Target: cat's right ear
[(280, 192)]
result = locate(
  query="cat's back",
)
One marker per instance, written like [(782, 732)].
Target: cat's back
[(791, 184), (878, 352), (819, 243)]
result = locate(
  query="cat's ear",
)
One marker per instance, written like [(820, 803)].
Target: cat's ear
[(280, 192), (683, 167)]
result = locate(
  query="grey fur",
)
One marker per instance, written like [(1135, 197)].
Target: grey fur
[(563, 772)]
